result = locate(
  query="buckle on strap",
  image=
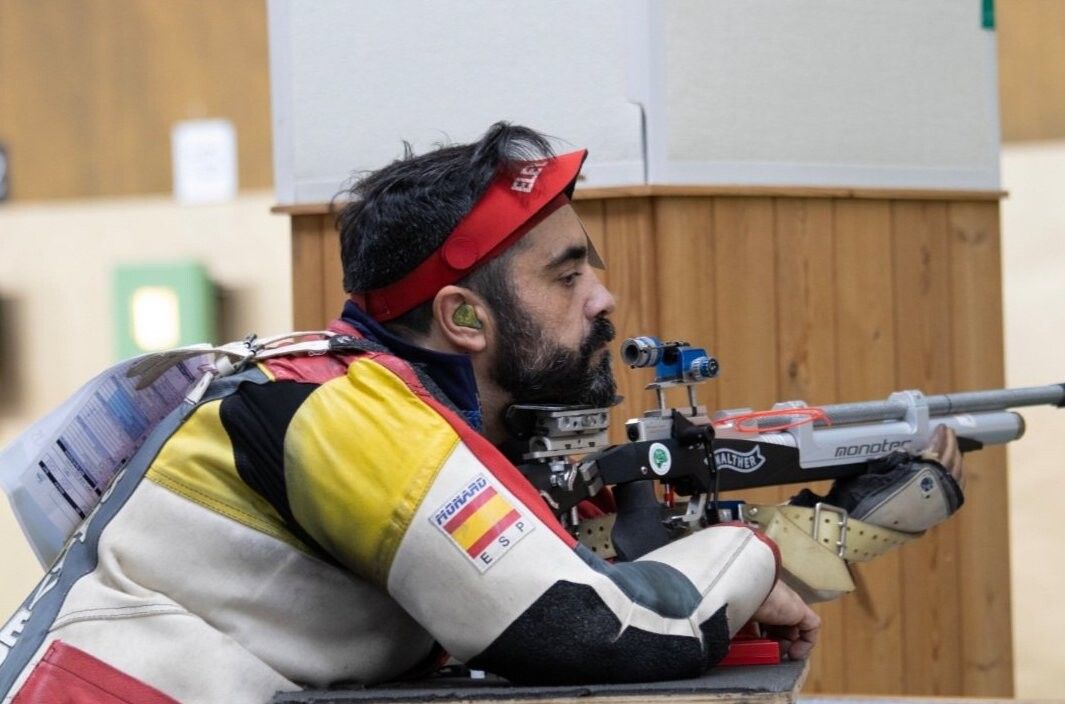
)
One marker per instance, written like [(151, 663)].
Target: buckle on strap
[(820, 508)]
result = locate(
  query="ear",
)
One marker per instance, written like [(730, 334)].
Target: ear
[(461, 316)]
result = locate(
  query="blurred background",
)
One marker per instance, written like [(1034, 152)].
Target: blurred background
[(136, 134)]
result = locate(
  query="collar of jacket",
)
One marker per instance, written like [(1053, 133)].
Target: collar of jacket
[(453, 373)]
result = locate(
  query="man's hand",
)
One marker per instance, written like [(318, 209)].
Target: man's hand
[(944, 449), (787, 618)]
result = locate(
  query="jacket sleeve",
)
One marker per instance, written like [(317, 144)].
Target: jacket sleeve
[(402, 492)]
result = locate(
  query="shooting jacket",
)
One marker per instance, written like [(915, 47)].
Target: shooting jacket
[(326, 519)]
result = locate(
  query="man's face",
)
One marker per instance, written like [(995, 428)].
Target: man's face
[(552, 329)]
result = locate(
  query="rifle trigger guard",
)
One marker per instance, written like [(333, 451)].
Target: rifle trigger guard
[(694, 516)]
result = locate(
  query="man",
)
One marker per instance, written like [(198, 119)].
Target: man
[(346, 517)]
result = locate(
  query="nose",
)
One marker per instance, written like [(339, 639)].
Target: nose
[(600, 302)]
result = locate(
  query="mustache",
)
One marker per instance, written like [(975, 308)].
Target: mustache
[(602, 332)]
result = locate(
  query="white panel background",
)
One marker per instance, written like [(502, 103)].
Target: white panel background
[(351, 80), (860, 93), (823, 92)]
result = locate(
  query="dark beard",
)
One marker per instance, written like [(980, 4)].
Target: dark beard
[(534, 370)]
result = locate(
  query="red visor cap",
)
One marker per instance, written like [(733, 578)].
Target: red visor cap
[(511, 206)]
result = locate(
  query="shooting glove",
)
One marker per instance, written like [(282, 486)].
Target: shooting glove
[(900, 491)]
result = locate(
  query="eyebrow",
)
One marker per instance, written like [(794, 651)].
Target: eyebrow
[(574, 253)]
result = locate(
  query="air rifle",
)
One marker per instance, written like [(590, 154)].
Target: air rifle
[(563, 451)]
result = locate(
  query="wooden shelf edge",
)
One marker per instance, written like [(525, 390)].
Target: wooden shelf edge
[(725, 191), (786, 192), (304, 209)]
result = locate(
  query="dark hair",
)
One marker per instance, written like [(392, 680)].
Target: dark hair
[(399, 215)]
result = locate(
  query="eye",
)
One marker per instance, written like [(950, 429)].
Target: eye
[(570, 280)]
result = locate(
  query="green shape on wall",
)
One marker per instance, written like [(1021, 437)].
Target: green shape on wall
[(161, 305)]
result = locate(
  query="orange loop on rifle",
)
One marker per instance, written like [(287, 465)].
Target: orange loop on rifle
[(790, 418)]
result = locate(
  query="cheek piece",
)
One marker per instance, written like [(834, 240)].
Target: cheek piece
[(514, 203)]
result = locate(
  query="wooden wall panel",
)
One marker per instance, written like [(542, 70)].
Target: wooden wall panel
[(90, 90), (983, 545), (309, 299), (629, 255), (685, 281), (332, 272), (745, 310), (930, 612), (806, 364), (1031, 75), (865, 345), (591, 213), (824, 299), (806, 300)]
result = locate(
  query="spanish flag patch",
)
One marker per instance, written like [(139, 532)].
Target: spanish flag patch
[(482, 522)]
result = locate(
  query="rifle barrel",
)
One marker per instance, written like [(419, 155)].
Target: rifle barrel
[(945, 404)]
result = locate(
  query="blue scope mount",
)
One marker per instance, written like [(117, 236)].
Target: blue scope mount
[(675, 362)]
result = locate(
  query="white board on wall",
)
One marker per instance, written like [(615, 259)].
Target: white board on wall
[(852, 93), (351, 80), (898, 94)]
